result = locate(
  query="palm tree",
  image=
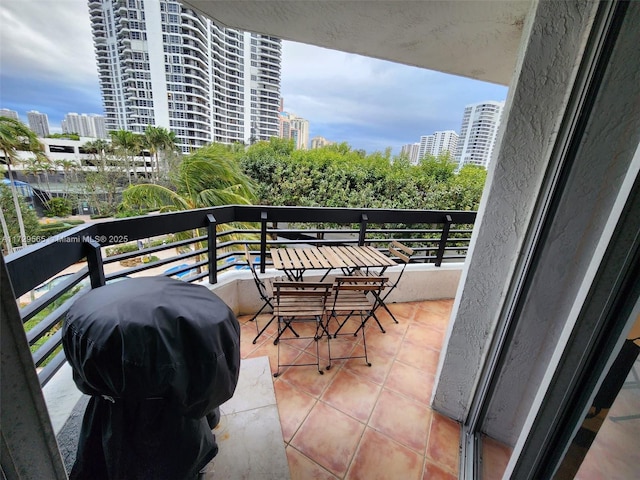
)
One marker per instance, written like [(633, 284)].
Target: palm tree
[(14, 136), (99, 148), (209, 177), (128, 143), (158, 140)]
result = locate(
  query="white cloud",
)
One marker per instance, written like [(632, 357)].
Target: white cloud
[(49, 38)]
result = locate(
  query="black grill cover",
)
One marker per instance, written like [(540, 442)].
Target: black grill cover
[(156, 355)]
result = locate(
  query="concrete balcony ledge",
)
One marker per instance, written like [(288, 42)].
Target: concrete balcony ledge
[(423, 281)]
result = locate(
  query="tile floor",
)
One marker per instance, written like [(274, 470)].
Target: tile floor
[(360, 422)]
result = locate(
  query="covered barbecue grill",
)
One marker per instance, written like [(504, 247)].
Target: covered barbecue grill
[(157, 355)]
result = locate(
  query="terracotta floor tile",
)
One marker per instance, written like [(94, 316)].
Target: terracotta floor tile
[(402, 311), (340, 347), (436, 308), (307, 378), (301, 468), (388, 343), (419, 357), (262, 320), (495, 457), (434, 472), (410, 381), (380, 458), (288, 354), (293, 407), (444, 443), (429, 319), (352, 395), (380, 364), (423, 336), (329, 438), (402, 419)]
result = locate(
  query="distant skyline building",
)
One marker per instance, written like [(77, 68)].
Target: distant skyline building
[(411, 150), (300, 132), (85, 125), (292, 126), (5, 112), (478, 132), (319, 142), (437, 143), (39, 123), (163, 64)]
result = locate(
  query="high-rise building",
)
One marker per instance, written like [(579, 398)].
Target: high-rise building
[(319, 142), (5, 112), (299, 132), (292, 126), (478, 132), (39, 123), (84, 125), (163, 64), (411, 150), (437, 143)]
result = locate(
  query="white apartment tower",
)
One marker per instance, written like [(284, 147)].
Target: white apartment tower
[(84, 125), (163, 64), (478, 132), (5, 112), (410, 150), (437, 143), (39, 123)]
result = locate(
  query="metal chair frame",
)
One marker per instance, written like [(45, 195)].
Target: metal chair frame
[(263, 290), (350, 298), (403, 253), (301, 302)]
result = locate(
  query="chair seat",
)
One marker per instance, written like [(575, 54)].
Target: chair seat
[(300, 307), (349, 301)]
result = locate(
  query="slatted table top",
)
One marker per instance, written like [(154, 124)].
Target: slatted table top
[(329, 257)]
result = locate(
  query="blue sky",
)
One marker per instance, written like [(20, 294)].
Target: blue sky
[(47, 64)]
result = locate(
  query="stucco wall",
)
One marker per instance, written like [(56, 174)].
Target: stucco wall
[(553, 40)]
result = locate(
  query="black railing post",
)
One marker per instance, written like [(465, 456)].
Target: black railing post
[(263, 241), (443, 240), (94, 261), (363, 229), (212, 240)]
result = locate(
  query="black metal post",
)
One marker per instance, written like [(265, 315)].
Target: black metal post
[(212, 239), (443, 239), (94, 261), (263, 241), (363, 229)]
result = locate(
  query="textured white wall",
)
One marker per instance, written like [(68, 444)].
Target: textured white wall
[(553, 42)]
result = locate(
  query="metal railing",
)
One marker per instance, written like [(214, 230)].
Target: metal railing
[(207, 243)]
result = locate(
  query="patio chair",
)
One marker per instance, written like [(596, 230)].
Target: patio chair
[(264, 289), (301, 302), (402, 253), (350, 298)]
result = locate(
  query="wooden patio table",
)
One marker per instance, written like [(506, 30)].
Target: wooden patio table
[(295, 261)]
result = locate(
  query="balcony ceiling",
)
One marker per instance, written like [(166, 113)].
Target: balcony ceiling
[(475, 39)]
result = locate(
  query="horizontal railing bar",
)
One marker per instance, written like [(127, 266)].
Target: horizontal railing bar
[(146, 251), (164, 261), (48, 348), (31, 266), (39, 304), (50, 321), (50, 369)]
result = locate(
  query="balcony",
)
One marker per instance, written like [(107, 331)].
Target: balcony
[(440, 239)]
